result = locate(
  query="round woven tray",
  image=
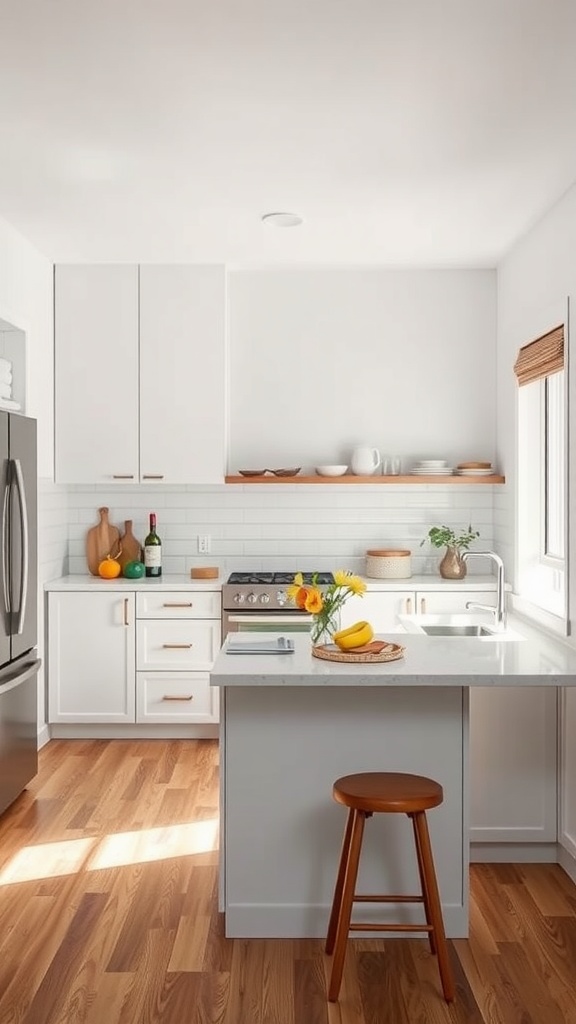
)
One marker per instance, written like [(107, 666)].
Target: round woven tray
[(330, 652)]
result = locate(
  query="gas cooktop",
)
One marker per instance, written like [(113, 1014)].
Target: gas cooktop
[(278, 578)]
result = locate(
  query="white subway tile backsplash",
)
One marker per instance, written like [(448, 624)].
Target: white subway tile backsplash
[(267, 527)]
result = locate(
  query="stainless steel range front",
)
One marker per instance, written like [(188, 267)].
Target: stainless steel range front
[(257, 601)]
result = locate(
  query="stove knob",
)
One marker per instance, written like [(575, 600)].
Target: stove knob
[(281, 597), (251, 598), (238, 598), (264, 599)]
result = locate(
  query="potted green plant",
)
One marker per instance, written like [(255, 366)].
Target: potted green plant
[(452, 565)]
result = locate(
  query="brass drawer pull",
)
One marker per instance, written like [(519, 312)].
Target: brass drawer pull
[(122, 476), (177, 604), (179, 646), (422, 605), (153, 476), (169, 696)]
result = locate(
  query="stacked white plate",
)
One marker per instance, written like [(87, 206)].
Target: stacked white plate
[(432, 467)]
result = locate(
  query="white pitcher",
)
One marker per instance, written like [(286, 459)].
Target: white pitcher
[(365, 460)]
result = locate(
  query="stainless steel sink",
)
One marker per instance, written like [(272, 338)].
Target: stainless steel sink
[(446, 630)]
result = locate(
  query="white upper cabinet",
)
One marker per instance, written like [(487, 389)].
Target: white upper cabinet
[(96, 373), (140, 374), (182, 374)]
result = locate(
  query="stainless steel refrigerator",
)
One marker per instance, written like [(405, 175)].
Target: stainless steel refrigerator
[(19, 662)]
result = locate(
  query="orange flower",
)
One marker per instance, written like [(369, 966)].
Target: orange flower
[(314, 602), (300, 597)]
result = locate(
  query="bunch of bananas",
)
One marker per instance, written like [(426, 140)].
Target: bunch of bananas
[(355, 636)]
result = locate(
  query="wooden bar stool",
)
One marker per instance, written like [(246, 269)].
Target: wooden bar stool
[(371, 793)]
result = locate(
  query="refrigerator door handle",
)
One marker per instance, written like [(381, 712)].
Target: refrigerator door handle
[(24, 533), (20, 676), (5, 552)]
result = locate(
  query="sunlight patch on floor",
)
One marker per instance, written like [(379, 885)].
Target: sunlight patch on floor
[(48, 860), (155, 844)]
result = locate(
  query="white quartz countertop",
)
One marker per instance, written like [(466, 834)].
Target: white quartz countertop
[(175, 582), (534, 660), (84, 581)]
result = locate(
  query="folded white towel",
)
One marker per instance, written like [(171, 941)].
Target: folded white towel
[(5, 403), (5, 364), (5, 390), (5, 376)]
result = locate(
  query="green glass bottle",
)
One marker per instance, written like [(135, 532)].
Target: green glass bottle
[(153, 550)]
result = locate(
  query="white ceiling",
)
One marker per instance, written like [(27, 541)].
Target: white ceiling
[(405, 132)]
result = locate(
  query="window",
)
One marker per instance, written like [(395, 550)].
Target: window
[(542, 457)]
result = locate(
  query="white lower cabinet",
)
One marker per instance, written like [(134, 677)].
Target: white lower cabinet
[(175, 697), (91, 657), (432, 602), (124, 657), (177, 640), (513, 757), (382, 607)]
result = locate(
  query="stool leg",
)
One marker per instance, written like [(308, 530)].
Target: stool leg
[(423, 885), (348, 891), (331, 936), (435, 908)]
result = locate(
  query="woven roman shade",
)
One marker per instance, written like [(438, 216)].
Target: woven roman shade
[(541, 357)]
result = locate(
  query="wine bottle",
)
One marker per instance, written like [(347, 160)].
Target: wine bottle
[(153, 550)]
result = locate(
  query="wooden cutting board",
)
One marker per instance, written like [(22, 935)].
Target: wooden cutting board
[(101, 540), (131, 548)]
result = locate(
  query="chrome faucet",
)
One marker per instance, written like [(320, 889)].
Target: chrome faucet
[(500, 609)]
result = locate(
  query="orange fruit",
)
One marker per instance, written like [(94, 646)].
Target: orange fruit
[(109, 568)]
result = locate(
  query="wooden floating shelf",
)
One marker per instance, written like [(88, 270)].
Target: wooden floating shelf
[(349, 478)]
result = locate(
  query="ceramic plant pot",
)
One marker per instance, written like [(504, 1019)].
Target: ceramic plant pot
[(452, 566)]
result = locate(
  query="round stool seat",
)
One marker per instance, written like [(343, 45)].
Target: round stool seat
[(388, 792)]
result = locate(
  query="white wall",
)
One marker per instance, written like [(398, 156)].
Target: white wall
[(26, 302), (322, 359), (535, 283)]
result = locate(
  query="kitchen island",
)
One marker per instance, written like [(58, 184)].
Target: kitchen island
[(292, 724)]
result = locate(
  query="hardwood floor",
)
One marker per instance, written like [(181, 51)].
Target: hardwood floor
[(108, 910)]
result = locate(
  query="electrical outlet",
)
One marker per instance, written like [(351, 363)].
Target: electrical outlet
[(204, 543)]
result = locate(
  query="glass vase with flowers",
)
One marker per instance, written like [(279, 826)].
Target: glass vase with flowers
[(324, 603)]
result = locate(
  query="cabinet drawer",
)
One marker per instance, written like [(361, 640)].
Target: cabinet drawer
[(183, 604), (175, 697), (191, 644)]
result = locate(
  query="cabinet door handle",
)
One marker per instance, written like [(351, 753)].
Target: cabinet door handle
[(179, 646), (177, 604), (152, 476), (126, 619), (408, 606), (422, 606), (169, 696), (122, 476)]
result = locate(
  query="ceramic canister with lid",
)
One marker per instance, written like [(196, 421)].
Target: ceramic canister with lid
[(389, 564)]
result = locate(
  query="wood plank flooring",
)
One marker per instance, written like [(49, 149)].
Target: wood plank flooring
[(108, 911)]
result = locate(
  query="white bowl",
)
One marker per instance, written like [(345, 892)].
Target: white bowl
[(331, 470), (432, 462)]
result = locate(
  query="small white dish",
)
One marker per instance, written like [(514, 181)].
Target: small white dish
[(331, 470), (432, 462)]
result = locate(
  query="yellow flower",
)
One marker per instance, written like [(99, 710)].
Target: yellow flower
[(346, 579), (294, 587)]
